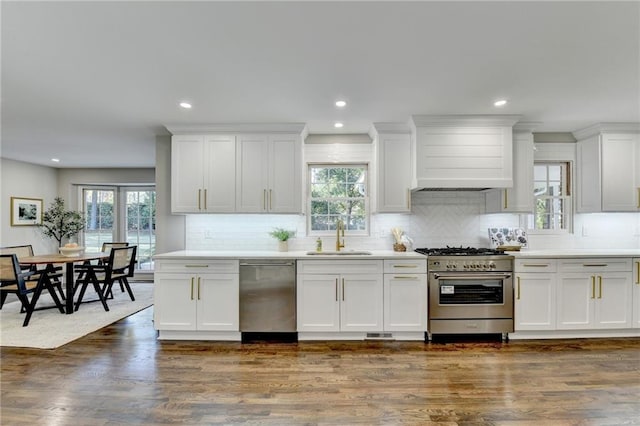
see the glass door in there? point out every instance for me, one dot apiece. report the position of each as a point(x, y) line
point(98, 205)
point(141, 224)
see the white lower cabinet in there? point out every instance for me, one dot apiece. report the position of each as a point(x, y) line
point(405, 296)
point(196, 296)
point(636, 293)
point(535, 295)
point(594, 294)
point(350, 299)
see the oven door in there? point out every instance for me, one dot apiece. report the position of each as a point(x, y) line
point(470, 295)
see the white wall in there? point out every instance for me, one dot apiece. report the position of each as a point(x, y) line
point(31, 181)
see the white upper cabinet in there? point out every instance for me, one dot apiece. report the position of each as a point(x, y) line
point(394, 168)
point(463, 151)
point(519, 198)
point(608, 169)
point(247, 168)
point(203, 173)
point(269, 174)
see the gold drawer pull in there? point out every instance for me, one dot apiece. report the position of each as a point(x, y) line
point(196, 266)
point(405, 277)
point(536, 265)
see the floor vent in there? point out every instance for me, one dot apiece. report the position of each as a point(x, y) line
point(379, 336)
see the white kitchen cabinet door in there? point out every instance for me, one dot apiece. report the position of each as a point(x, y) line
point(269, 175)
point(636, 293)
point(405, 302)
point(361, 307)
point(318, 306)
point(613, 303)
point(219, 156)
point(588, 172)
point(187, 173)
point(285, 174)
point(217, 297)
point(251, 169)
point(519, 198)
point(576, 293)
point(173, 299)
point(620, 172)
point(394, 173)
point(203, 174)
point(535, 301)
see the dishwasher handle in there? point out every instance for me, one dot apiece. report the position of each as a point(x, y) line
point(266, 264)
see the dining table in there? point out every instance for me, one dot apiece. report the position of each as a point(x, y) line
point(68, 261)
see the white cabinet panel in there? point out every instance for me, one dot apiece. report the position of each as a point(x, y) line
point(218, 302)
point(173, 307)
point(318, 307)
point(394, 173)
point(361, 306)
point(535, 301)
point(405, 302)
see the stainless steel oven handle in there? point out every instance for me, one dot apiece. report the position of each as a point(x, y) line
point(471, 277)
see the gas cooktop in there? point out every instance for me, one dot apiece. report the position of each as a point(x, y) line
point(459, 251)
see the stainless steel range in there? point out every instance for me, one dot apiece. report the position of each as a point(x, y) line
point(470, 291)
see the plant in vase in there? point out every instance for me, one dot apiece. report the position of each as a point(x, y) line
point(282, 235)
point(59, 223)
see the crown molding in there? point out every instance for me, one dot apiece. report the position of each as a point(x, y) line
point(606, 128)
point(464, 120)
point(191, 129)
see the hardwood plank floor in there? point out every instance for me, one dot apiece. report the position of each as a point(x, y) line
point(123, 375)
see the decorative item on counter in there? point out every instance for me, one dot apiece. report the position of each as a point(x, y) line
point(319, 245)
point(397, 235)
point(282, 235)
point(508, 239)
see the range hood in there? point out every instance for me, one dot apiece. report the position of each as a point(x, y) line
point(463, 152)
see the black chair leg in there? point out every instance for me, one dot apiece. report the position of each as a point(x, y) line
point(3, 298)
point(80, 295)
point(125, 282)
point(98, 290)
point(54, 296)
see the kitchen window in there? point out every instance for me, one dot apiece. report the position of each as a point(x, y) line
point(338, 192)
point(552, 197)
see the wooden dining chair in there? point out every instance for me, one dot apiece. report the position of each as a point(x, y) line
point(54, 272)
point(23, 284)
point(119, 267)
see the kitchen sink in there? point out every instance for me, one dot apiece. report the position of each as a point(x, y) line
point(339, 253)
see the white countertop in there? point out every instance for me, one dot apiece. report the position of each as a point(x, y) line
point(241, 254)
point(569, 253)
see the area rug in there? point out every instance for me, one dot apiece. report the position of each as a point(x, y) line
point(49, 329)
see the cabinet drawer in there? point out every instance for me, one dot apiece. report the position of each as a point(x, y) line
point(230, 266)
point(340, 267)
point(405, 266)
point(536, 265)
point(596, 265)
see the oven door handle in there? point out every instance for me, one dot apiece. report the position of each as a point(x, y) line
point(471, 277)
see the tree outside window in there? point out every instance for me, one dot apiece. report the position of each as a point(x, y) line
point(552, 201)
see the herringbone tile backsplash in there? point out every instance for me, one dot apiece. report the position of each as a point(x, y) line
point(437, 219)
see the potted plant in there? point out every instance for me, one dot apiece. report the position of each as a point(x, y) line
point(59, 223)
point(282, 235)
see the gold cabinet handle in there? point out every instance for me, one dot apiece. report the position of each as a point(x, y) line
point(599, 287)
point(343, 289)
point(639, 198)
point(506, 199)
point(518, 292)
point(404, 266)
point(264, 199)
point(205, 199)
point(336, 289)
point(409, 199)
point(270, 199)
point(199, 193)
point(191, 288)
point(637, 272)
point(198, 288)
point(536, 265)
point(599, 265)
point(593, 287)
point(405, 277)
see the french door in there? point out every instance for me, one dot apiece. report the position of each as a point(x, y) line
point(121, 213)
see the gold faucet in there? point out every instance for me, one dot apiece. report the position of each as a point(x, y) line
point(339, 227)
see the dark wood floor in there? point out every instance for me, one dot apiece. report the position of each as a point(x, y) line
point(123, 375)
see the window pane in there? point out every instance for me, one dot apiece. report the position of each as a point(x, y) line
point(98, 208)
point(551, 200)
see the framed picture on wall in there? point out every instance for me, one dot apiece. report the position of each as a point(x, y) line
point(26, 211)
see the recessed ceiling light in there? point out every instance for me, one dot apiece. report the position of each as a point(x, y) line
point(55, 160)
point(338, 125)
point(185, 105)
point(501, 102)
point(341, 104)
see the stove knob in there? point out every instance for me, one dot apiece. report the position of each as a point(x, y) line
point(454, 266)
point(492, 265)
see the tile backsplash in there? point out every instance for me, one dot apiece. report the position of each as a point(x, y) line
point(437, 219)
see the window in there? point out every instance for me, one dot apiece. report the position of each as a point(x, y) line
point(338, 192)
point(121, 213)
point(552, 200)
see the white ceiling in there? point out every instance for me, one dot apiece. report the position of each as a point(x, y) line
point(93, 83)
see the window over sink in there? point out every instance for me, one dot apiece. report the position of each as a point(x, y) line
point(552, 197)
point(338, 192)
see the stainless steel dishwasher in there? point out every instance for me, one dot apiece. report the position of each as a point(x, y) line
point(267, 296)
